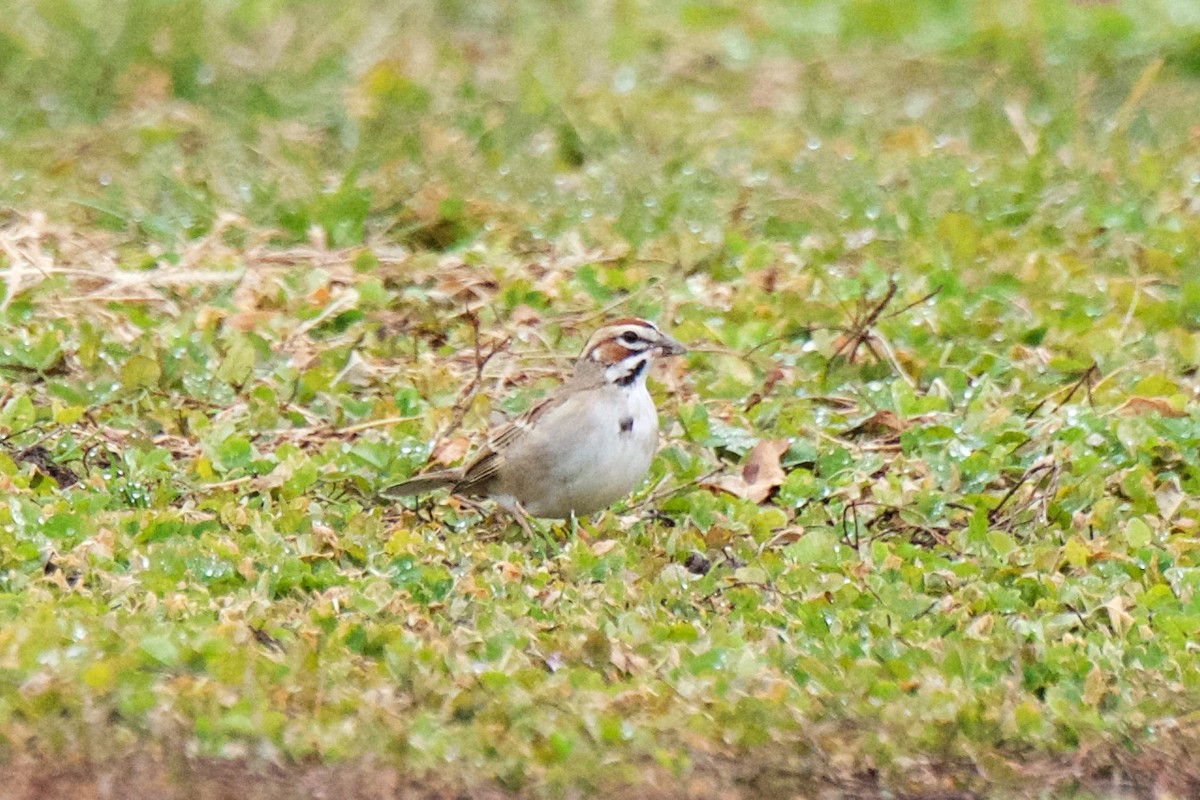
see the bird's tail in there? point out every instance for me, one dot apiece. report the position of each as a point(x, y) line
point(419, 484)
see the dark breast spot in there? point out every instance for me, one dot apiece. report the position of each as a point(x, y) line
point(626, 424)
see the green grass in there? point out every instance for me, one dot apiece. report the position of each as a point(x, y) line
point(253, 252)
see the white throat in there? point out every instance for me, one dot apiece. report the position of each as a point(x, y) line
point(630, 372)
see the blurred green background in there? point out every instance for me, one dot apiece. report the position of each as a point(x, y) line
point(426, 122)
point(982, 563)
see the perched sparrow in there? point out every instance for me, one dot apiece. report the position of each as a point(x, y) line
point(581, 448)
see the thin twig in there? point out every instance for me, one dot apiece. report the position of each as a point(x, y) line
point(1025, 477)
point(859, 332)
point(1070, 390)
point(459, 409)
point(913, 304)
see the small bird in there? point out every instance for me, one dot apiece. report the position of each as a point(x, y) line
point(578, 450)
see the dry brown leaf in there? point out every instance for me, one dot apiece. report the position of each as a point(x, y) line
point(1119, 617)
point(762, 466)
point(730, 484)
point(450, 451)
point(718, 536)
point(320, 295)
point(793, 533)
point(773, 378)
point(247, 321)
point(880, 424)
point(1169, 498)
point(326, 537)
point(603, 546)
point(523, 315)
point(463, 286)
point(508, 571)
point(761, 473)
point(627, 662)
point(1150, 405)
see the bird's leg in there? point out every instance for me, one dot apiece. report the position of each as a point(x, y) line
point(522, 519)
point(476, 506)
point(517, 512)
point(485, 513)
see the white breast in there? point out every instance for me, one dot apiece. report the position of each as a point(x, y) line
point(585, 454)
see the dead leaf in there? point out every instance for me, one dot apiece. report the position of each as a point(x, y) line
point(1095, 686)
point(761, 473)
point(508, 571)
point(790, 534)
point(248, 321)
point(1150, 405)
point(628, 662)
point(773, 378)
point(325, 534)
point(450, 451)
point(1118, 617)
point(880, 424)
point(320, 295)
point(462, 286)
point(762, 470)
point(1169, 497)
point(718, 536)
point(603, 547)
point(247, 569)
point(523, 315)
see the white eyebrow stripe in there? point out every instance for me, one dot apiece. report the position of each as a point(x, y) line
point(647, 336)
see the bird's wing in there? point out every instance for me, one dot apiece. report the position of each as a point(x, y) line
point(487, 462)
point(419, 484)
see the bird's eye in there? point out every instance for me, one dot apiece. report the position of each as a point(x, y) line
point(629, 337)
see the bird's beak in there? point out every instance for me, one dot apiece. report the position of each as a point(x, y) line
point(670, 347)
